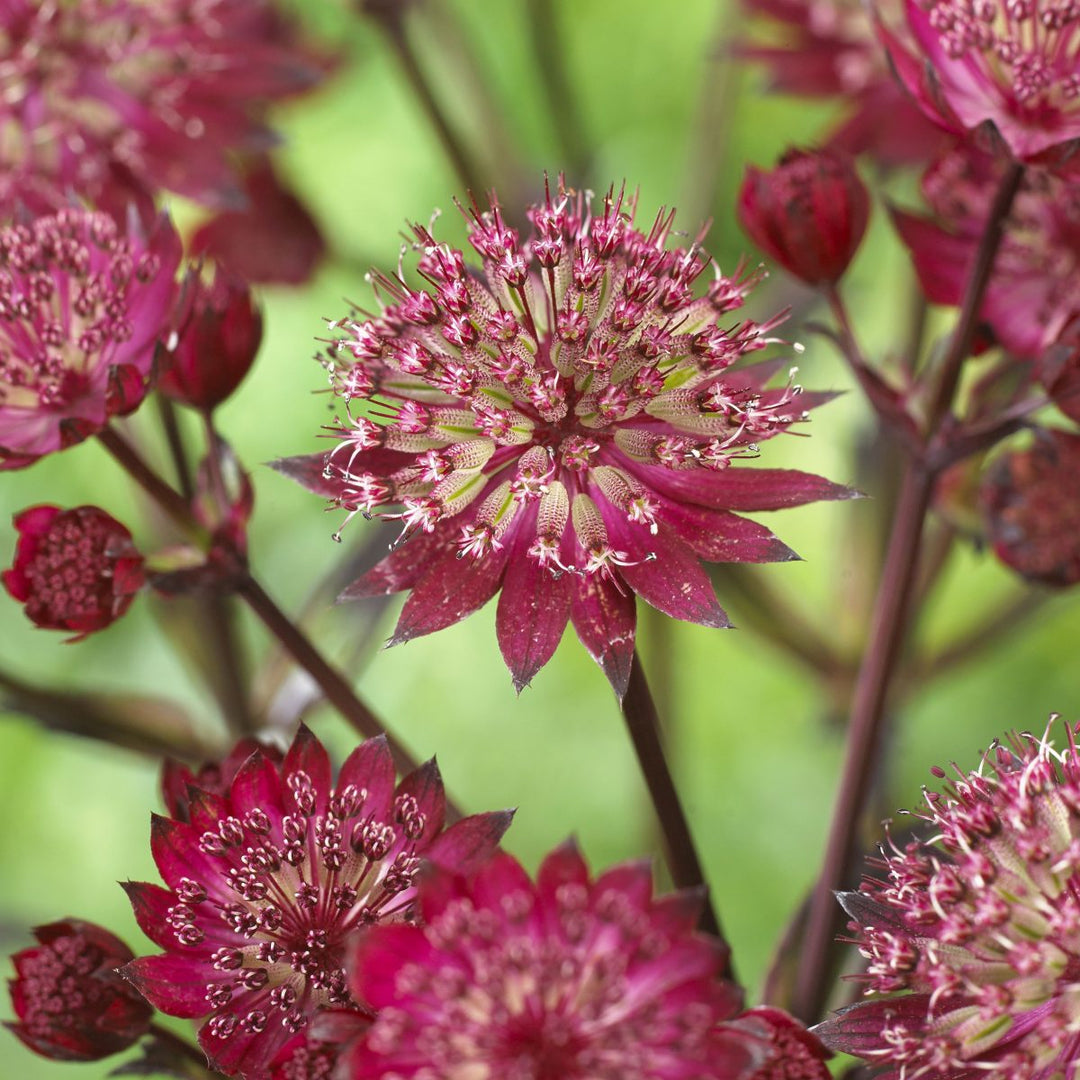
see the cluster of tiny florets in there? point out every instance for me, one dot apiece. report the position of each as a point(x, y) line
point(978, 930)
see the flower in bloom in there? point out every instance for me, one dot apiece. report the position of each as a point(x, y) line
point(809, 213)
point(75, 570)
point(267, 881)
point(972, 938)
point(564, 978)
point(272, 239)
point(565, 427)
point(828, 49)
point(220, 332)
point(81, 307)
point(1030, 501)
point(70, 1002)
point(102, 94)
point(1006, 72)
point(1034, 290)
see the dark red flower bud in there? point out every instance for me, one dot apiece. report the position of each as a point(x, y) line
point(271, 240)
point(220, 332)
point(809, 213)
point(74, 569)
point(216, 777)
point(70, 1002)
point(1031, 505)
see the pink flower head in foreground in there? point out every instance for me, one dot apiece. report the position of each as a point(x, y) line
point(828, 49)
point(70, 1002)
point(1031, 505)
point(81, 308)
point(974, 936)
point(75, 570)
point(809, 213)
point(562, 979)
point(1034, 290)
point(267, 881)
point(1007, 72)
point(565, 426)
point(144, 96)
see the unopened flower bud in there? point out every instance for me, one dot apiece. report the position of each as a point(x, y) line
point(74, 569)
point(218, 339)
point(70, 1002)
point(809, 213)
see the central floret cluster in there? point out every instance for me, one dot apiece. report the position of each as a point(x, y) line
point(562, 425)
point(980, 927)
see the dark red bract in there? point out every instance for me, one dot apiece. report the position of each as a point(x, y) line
point(268, 880)
point(219, 334)
point(809, 213)
point(70, 1002)
point(75, 570)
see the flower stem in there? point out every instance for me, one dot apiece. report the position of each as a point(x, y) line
point(643, 724)
point(888, 631)
point(162, 493)
point(452, 144)
point(333, 685)
point(561, 99)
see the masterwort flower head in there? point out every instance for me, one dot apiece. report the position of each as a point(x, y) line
point(1006, 73)
point(1034, 290)
point(70, 1003)
point(81, 307)
point(266, 882)
point(75, 570)
point(566, 425)
point(567, 978)
point(118, 99)
point(828, 49)
point(972, 938)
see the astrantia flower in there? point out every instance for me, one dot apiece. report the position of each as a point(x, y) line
point(566, 978)
point(81, 308)
point(267, 882)
point(70, 1002)
point(1034, 290)
point(215, 777)
point(75, 570)
point(100, 93)
point(828, 49)
point(974, 936)
point(1030, 501)
point(1007, 71)
point(809, 213)
point(565, 426)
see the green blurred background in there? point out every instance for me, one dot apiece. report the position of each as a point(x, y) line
point(756, 743)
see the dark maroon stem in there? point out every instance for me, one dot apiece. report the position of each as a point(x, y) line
point(166, 496)
point(888, 632)
point(455, 150)
point(643, 724)
point(175, 439)
point(333, 685)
